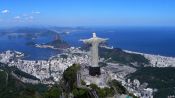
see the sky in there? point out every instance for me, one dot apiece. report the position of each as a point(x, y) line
point(87, 12)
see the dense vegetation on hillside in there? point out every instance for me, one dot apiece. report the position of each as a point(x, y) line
point(119, 56)
point(23, 74)
point(10, 87)
point(70, 75)
point(70, 78)
point(118, 87)
point(162, 79)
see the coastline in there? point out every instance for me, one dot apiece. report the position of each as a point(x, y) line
point(47, 46)
point(156, 60)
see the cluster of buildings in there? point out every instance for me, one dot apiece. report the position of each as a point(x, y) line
point(134, 86)
point(48, 71)
point(160, 61)
point(7, 56)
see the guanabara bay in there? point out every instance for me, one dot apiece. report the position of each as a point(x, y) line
point(87, 49)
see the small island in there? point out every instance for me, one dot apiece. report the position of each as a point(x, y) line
point(55, 44)
point(58, 44)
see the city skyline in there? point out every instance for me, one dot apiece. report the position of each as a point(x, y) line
point(87, 13)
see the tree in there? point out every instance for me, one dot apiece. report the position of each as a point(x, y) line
point(70, 75)
point(80, 93)
point(54, 92)
point(117, 85)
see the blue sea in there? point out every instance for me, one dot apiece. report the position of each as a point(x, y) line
point(152, 40)
point(16, 43)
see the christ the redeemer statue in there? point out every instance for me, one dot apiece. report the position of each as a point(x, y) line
point(94, 68)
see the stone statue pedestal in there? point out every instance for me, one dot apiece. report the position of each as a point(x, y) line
point(94, 71)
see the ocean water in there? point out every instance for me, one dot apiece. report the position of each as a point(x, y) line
point(16, 43)
point(151, 40)
point(155, 40)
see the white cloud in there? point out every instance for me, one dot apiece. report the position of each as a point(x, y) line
point(36, 12)
point(17, 17)
point(5, 11)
